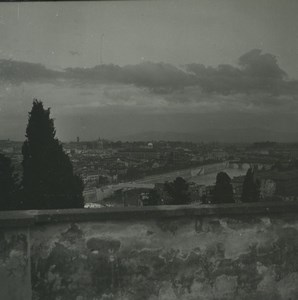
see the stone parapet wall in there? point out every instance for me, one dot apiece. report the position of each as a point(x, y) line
point(247, 251)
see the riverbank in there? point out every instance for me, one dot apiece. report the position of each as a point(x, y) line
point(203, 175)
point(187, 173)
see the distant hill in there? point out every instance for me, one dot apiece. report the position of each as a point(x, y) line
point(246, 135)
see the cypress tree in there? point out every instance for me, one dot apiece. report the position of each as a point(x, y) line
point(223, 191)
point(48, 178)
point(251, 188)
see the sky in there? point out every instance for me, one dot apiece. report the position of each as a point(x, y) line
point(205, 70)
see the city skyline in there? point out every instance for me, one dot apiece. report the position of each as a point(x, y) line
point(216, 70)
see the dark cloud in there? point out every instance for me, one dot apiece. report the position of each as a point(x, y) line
point(158, 77)
point(256, 73)
point(254, 63)
point(17, 72)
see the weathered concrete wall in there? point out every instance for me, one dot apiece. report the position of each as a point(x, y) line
point(219, 253)
point(207, 258)
point(15, 279)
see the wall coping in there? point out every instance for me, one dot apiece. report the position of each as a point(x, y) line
point(27, 218)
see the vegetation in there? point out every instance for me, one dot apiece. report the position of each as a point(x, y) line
point(178, 191)
point(9, 189)
point(223, 191)
point(251, 188)
point(153, 198)
point(48, 178)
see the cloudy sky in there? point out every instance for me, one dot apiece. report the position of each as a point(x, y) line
point(206, 69)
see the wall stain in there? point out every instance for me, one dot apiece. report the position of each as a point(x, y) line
point(210, 258)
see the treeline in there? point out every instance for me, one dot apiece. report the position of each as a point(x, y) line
point(178, 192)
point(48, 180)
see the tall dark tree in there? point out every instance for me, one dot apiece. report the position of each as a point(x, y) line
point(251, 187)
point(9, 189)
point(153, 198)
point(48, 178)
point(178, 191)
point(223, 191)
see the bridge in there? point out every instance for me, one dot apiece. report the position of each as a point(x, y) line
point(246, 164)
point(185, 173)
point(148, 182)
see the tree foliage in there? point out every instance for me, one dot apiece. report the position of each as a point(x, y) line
point(178, 191)
point(251, 187)
point(153, 198)
point(9, 189)
point(223, 191)
point(48, 178)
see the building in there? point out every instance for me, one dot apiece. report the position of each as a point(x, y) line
point(100, 144)
point(237, 184)
point(197, 192)
point(164, 196)
point(217, 154)
point(278, 183)
point(145, 153)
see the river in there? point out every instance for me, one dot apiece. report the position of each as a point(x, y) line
point(210, 179)
point(208, 176)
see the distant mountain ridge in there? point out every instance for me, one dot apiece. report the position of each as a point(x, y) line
point(236, 135)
